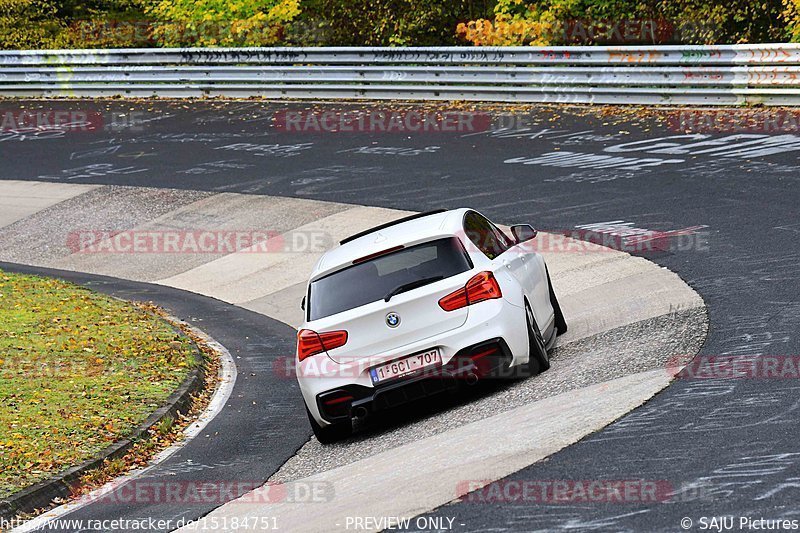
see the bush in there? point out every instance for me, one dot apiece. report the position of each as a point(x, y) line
point(226, 23)
point(105, 32)
point(731, 22)
point(556, 22)
point(136, 23)
point(385, 22)
point(28, 24)
point(38, 24)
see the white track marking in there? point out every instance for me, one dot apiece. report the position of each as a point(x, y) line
point(426, 474)
point(20, 199)
point(246, 276)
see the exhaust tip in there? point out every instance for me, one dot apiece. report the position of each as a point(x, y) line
point(360, 412)
point(472, 378)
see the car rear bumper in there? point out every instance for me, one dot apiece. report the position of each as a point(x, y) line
point(487, 321)
point(486, 360)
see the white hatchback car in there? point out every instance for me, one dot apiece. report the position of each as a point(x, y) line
point(411, 308)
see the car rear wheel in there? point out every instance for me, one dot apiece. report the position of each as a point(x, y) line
point(560, 322)
point(539, 361)
point(332, 433)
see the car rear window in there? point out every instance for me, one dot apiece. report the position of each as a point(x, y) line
point(372, 280)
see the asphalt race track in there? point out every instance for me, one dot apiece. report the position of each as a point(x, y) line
point(723, 446)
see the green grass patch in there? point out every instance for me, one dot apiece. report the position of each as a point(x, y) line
point(78, 371)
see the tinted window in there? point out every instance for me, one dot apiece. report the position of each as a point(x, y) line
point(373, 280)
point(484, 235)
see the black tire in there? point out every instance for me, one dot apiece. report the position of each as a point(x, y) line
point(539, 361)
point(560, 322)
point(332, 433)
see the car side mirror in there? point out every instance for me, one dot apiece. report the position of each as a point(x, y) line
point(523, 232)
point(303, 304)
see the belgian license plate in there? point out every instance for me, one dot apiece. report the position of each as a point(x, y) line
point(406, 366)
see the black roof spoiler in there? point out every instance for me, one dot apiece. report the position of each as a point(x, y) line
point(390, 224)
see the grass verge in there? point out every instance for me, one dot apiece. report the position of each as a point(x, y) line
point(78, 372)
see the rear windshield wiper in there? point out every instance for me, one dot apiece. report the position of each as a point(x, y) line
point(412, 285)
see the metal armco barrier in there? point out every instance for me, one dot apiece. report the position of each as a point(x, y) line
point(767, 74)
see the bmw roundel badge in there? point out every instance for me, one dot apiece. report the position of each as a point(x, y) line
point(392, 320)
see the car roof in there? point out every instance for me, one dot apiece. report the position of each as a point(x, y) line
point(404, 233)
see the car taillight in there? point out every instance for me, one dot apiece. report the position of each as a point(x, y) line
point(311, 343)
point(480, 288)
